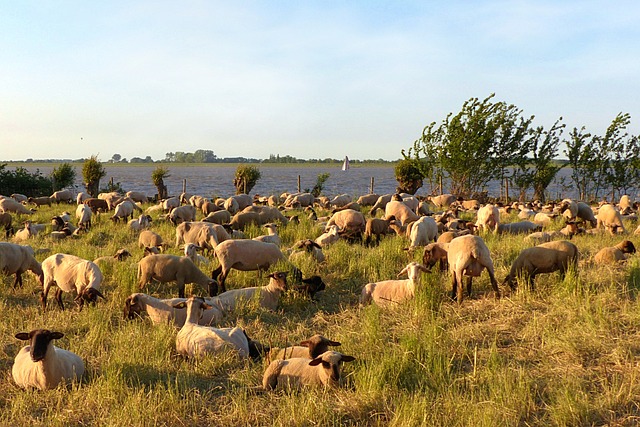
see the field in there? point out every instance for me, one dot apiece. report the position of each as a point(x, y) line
point(564, 354)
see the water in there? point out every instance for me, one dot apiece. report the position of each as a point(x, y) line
point(217, 179)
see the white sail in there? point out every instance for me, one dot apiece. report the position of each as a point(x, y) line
point(345, 164)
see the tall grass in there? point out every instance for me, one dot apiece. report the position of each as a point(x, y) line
point(565, 353)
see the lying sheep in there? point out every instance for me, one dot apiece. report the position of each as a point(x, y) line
point(329, 237)
point(544, 218)
point(468, 256)
point(269, 295)
point(609, 218)
point(161, 311)
point(21, 198)
point(244, 255)
point(520, 227)
point(143, 222)
point(368, 199)
point(393, 291)
point(191, 252)
point(544, 258)
point(611, 255)
point(308, 246)
point(291, 374)
point(272, 237)
point(218, 217)
point(28, 231)
point(172, 268)
point(442, 201)
point(568, 209)
point(41, 364)
point(71, 273)
point(310, 286)
point(120, 255)
point(310, 349)
point(16, 259)
point(196, 341)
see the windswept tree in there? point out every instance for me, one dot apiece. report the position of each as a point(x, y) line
point(246, 178)
point(92, 172)
point(409, 174)
point(157, 177)
point(622, 173)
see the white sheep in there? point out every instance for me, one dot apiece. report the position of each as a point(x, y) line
point(10, 205)
point(170, 203)
point(272, 237)
point(191, 251)
point(141, 223)
point(610, 219)
point(19, 197)
point(348, 220)
point(393, 291)
point(202, 234)
point(269, 295)
point(324, 370)
point(81, 197)
point(161, 311)
point(16, 259)
point(182, 214)
point(400, 211)
point(120, 255)
point(329, 237)
point(422, 231)
point(62, 196)
point(443, 200)
point(71, 273)
point(172, 268)
point(28, 231)
point(124, 210)
point(148, 238)
point(310, 349)
point(41, 364)
point(137, 196)
point(83, 214)
point(488, 218)
point(468, 256)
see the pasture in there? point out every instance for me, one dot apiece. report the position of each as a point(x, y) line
point(567, 353)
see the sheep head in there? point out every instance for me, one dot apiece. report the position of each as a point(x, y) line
point(40, 339)
point(332, 361)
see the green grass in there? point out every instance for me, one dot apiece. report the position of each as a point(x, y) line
point(564, 354)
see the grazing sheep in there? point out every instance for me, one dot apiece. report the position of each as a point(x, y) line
point(207, 207)
point(310, 349)
point(161, 311)
point(329, 237)
point(539, 237)
point(258, 215)
point(143, 222)
point(376, 227)
point(170, 203)
point(347, 220)
point(308, 246)
point(83, 214)
point(368, 199)
point(340, 200)
point(16, 259)
point(172, 268)
point(393, 291)
point(272, 237)
point(70, 273)
point(442, 201)
point(231, 205)
point(97, 205)
point(81, 197)
point(21, 198)
point(202, 234)
point(610, 219)
point(488, 218)
point(520, 227)
point(544, 218)
point(448, 236)
point(62, 196)
point(10, 205)
point(124, 210)
point(611, 255)
point(39, 201)
point(148, 238)
point(400, 211)
point(324, 370)
point(112, 199)
point(585, 213)
point(301, 200)
point(41, 364)
point(269, 295)
point(381, 203)
point(194, 340)
point(182, 214)
point(422, 231)
point(468, 256)
point(544, 258)
point(137, 196)
point(244, 255)
point(436, 253)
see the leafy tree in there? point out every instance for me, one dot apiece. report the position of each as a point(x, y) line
point(63, 176)
point(580, 154)
point(24, 182)
point(409, 174)
point(622, 173)
point(157, 176)
point(92, 172)
point(116, 158)
point(320, 180)
point(246, 178)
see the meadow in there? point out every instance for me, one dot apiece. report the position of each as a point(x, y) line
point(564, 354)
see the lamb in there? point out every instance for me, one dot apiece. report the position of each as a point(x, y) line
point(10, 205)
point(393, 291)
point(16, 259)
point(376, 227)
point(196, 341)
point(182, 214)
point(148, 238)
point(422, 231)
point(269, 295)
point(272, 237)
point(468, 256)
point(544, 258)
point(143, 222)
point(611, 255)
point(244, 255)
point(120, 255)
point(97, 205)
point(400, 212)
point(310, 349)
point(308, 246)
point(83, 214)
point(41, 364)
point(70, 273)
point(520, 227)
point(311, 286)
point(161, 311)
point(610, 219)
point(172, 268)
point(329, 237)
point(124, 210)
point(324, 370)
point(29, 230)
point(191, 251)
point(488, 218)
point(39, 201)
point(436, 253)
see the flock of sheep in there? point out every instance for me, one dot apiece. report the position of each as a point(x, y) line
point(434, 224)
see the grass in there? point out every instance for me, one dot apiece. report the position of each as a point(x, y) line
point(564, 354)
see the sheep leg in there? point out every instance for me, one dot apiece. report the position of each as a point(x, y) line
point(453, 286)
point(59, 298)
point(180, 289)
point(459, 288)
point(18, 280)
point(469, 279)
point(494, 283)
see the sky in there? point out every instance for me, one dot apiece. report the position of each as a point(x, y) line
point(309, 79)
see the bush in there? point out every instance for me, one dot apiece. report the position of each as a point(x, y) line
point(157, 176)
point(24, 182)
point(246, 178)
point(92, 173)
point(63, 176)
point(409, 175)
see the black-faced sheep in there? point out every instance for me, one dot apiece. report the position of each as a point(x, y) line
point(376, 227)
point(268, 295)
point(310, 349)
point(71, 273)
point(161, 311)
point(611, 255)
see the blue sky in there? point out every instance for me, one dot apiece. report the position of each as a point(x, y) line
point(311, 79)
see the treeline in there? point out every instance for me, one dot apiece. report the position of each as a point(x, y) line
point(490, 140)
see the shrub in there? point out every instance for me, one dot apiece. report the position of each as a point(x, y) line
point(63, 176)
point(409, 176)
point(246, 178)
point(157, 176)
point(24, 182)
point(92, 173)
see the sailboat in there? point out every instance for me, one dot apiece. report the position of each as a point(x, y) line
point(345, 164)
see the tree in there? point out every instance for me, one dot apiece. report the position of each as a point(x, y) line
point(409, 175)
point(622, 173)
point(92, 172)
point(246, 178)
point(157, 176)
point(580, 155)
point(116, 158)
point(63, 176)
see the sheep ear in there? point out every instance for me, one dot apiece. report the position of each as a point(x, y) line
point(180, 305)
point(333, 343)
point(346, 358)
point(305, 343)
point(24, 336)
point(404, 270)
point(315, 362)
point(56, 335)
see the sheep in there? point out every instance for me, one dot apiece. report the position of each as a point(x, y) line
point(381, 203)
point(29, 230)
point(443, 200)
point(21, 198)
point(231, 205)
point(83, 214)
point(5, 222)
point(137, 196)
point(311, 286)
point(120, 255)
point(70, 273)
point(568, 208)
point(258, 215)
point(191, 251)
point(62, 196)
point(585, 213)
point(376, 227)
point(436, 253)
point(39, 201)
point(207, 207)
point(400, 212)
point(329, 237)
point(347, 220)
point(299, 200)
point(309, 247)
point(396, 291)
point(202, 234)
point(170, 203)
point(244, 255)
point(611, 255)
point(97, 205)
point(310, 349)
point(197, 201)
point(196, 341)
point(161, 311)
point(488, 218)
point(422, 231)
point(16, 259)
point(123, 210)
point(169, 268)
point(10, 205)
point(610, 219)
point(57, 223)
point(272, 237)
point(544, 218)
point(324, 370)
point(143, 222)
point(448, 236)
point(520, 227)
point(182, 214)
point(340, 200)
point(544, 258)
point(41, 364)
point(468, 256)
point(368, 199)
point(218, 217)
point(81, 197)
point(268, 295)
point(148, 238)
point(624, 204)
point(468, 205)
point(243, 200)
